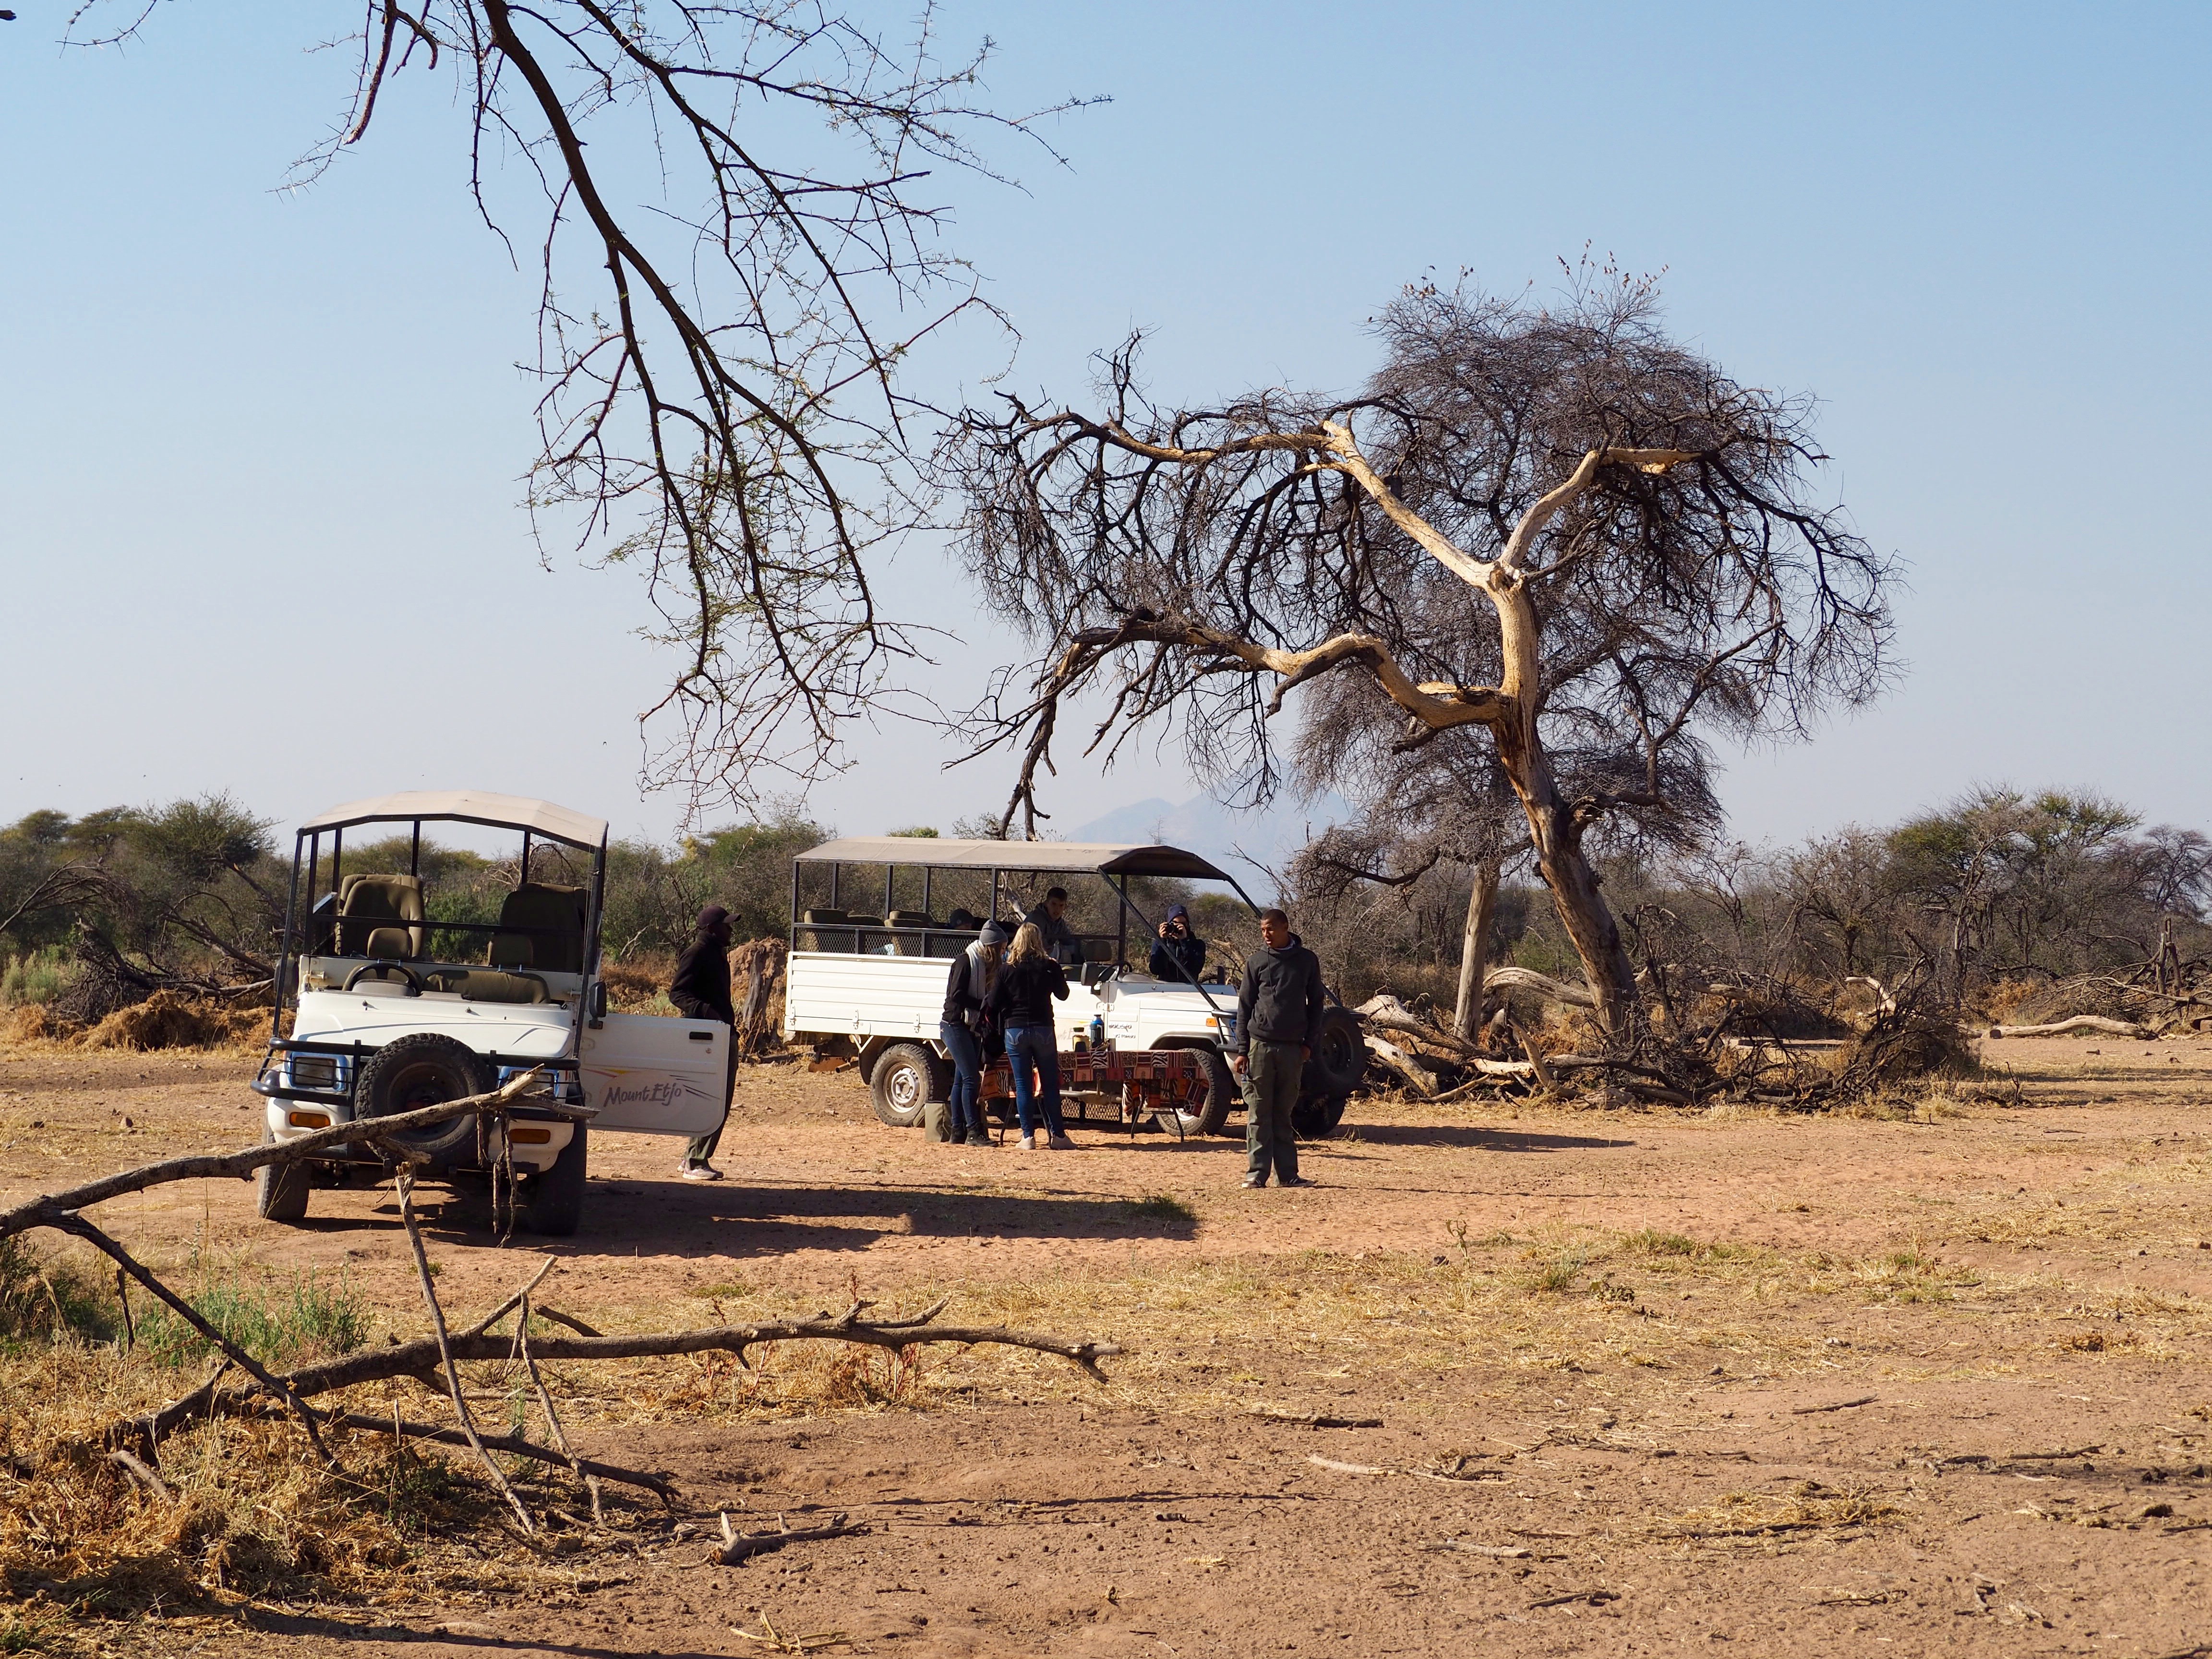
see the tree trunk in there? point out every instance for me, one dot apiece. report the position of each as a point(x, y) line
point(1558, 838)
point(1475, 948)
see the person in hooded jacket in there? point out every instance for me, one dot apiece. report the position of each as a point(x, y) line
point(1177, 956)
point(1278, 1010)
point(965, 1024)
point(701, 990)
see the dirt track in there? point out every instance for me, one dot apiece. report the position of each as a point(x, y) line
point(1783, 1382)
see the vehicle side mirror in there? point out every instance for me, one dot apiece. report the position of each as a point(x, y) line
point(596, 1003)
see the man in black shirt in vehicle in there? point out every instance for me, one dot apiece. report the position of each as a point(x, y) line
point(701, 990)
point(1278, 1010)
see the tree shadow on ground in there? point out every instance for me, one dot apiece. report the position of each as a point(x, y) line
point(1483, 1139)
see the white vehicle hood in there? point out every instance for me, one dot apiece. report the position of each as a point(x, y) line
point(537, 1031)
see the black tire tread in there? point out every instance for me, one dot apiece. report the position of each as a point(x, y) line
point(892, 1058)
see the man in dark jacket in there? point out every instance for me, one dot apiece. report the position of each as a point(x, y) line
point(701, 990)
point(1178, 955)
point(1279, 1009)
point(1050, 918)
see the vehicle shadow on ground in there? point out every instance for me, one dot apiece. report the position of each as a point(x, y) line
point(731, 1220)
point(1482, 1139)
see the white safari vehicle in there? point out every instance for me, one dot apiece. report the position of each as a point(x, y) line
point(873, 984)
point(400, 999)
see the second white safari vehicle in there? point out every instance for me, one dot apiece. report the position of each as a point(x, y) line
point(873, 985)
point(401, 996)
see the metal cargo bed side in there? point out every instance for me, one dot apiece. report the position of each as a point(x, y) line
point(864, 996)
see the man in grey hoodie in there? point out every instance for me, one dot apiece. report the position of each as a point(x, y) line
point(1279, 1009)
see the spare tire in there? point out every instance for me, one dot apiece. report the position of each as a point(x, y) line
point(423, 1068)
point(1316, 1116)
point(1339, 1054)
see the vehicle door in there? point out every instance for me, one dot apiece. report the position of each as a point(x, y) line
point(652, 1076)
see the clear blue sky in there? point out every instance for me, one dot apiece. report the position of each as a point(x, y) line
point(259, 453)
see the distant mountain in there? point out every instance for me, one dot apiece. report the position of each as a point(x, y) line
point(1203, 824)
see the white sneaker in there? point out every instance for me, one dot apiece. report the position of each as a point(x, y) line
point(1061, 1144)
point(1028, 1143)
point(697, 1172)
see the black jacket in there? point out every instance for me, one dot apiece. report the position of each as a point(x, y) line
point(1281, 998)
point(701, 988)
point(961, 1003)
point(1178, 960)
point(1025, 990)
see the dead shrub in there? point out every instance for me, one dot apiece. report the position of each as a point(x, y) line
point(636, 983)
point(37, 1024)
point(169, 1020)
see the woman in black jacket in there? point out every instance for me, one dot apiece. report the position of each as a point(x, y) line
point(1021, 1003)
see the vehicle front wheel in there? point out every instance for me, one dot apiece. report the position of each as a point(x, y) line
point(280, 1190)
point(553, 1202)
point(907, 1078)
point(1223, 1095)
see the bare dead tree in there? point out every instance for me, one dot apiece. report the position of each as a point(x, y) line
point(721, 367)
point(1550, 526)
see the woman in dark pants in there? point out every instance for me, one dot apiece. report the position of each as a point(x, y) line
point(1022, 1002)
point(701, 990)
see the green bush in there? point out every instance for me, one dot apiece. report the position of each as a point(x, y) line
point(37, 977)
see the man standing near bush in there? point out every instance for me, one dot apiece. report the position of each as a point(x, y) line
point(1278, 1010)
point(701, 990)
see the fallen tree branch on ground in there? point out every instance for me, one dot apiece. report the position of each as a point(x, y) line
point(2119, 1028)
point(738, 1546)
point(377, 1132)
point(422, 1356)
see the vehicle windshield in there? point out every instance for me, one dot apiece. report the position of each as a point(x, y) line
point(383, 908)
point(1110, 922)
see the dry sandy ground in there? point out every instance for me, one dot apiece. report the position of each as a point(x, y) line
point(1798, 1384)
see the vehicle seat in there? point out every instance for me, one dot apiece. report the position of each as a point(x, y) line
point(367, 902)
point(824, 934)
point(550, 924)
point(388, 943)
point(490, 985)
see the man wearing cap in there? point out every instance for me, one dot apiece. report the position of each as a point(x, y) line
point(1178, 955)
point(964, 1026)
point(701, 990)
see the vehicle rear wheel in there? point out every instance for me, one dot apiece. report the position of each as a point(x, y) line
point(907, 1078)
point(1222, 1097)
point(423, 1068)
point(280, 1190)
point(553, 1202)
point(1339, 1060)
point(1316, 1116)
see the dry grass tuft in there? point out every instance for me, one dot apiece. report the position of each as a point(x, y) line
point(1810, 1507)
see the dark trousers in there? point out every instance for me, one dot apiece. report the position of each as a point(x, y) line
point(1028, 1046)
point(702, 1147)
point(1273, 1071)
point(965, 1110)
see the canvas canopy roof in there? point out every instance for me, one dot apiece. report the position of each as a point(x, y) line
point(540, 817)
point(1072, 857)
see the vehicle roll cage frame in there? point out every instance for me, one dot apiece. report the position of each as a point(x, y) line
point(306, 859)
point(1116, 881)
